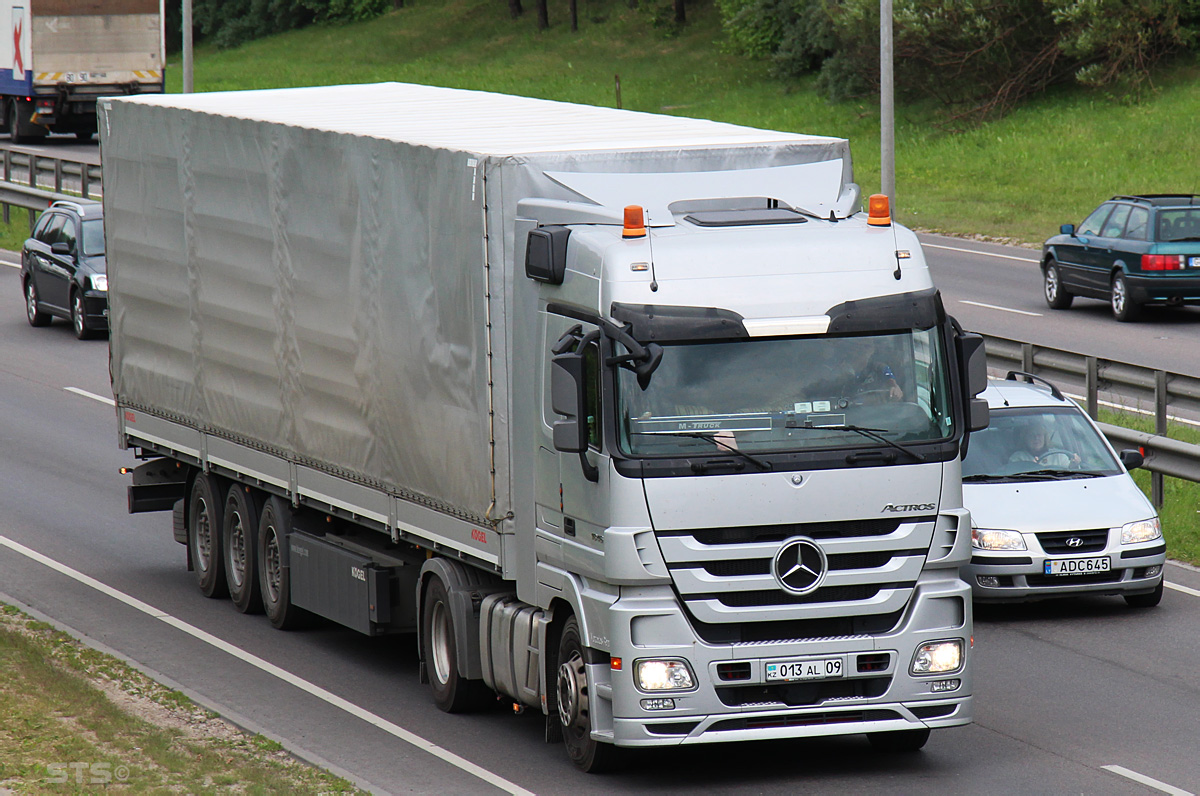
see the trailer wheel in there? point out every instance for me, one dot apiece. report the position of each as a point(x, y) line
point(204, 535)
point(574, 697)
point(273, 578)
point(452, 692)
point(898, 741)
point(239, 535)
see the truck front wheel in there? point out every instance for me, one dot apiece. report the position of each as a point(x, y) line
point(898, 741)
point(204, 535)
point(452, 692)
point(574, 701)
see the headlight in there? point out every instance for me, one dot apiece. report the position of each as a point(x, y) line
point(99, 282)
point(996, 540)
point(938, 657)
point(664, 676)
point(1141, 531)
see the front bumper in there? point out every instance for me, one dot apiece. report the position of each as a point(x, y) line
point(732, 701)
point(1021, 576)
point(95, 309)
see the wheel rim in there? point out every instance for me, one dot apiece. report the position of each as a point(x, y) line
point(272, 565)
point(572, 696)
point(1118, 296)
point(203, 536)
point(439, 642)
point(77, 313)
point(1052, 283)
point(237, 550)
point(31, 301)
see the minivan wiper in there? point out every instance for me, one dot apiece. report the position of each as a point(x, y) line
point(761, 464)
point(1062, 474)
point(872, 434)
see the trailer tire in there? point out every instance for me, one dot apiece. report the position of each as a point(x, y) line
point(452, 692)
point(273, 572)
point(573, 699)
point(239, 536)
point(204, 523)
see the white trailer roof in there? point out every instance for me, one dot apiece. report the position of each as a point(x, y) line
point(470, 121)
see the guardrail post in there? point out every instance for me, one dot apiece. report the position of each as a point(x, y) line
point(1027, 357)
point(1093, 386)
point(58, 174)
point(1160, 428)
point(32, 160)
point(7, 178)
point(85, 179)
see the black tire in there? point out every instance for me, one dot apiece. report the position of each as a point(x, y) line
point(14, 124)
point(1124, 309)
point(1057, 297)
point(899, 741)
point(239, 537)
point(84, 135)
point(34, 315)
point(204, 521)
point(271, 551)
point(1145, 600)
point(452, 692)
point(573, 700)
point(79, 320)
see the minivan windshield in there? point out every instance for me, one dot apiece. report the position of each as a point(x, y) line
point(1037, 443)
point(788, 394)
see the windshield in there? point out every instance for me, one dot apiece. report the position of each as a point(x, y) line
point(93, 237)
point(788, 394)
point(1037, 442)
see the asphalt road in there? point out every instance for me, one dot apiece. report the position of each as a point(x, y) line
point(1086, 696)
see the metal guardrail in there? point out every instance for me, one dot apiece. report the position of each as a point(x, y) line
point(1160, 393)
point(31, 182)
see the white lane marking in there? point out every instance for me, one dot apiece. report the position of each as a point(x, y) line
point(92, 395)
point(1184, 589)
point(273, 670)
point(1080, 399)
point(983, 254)
point(1002, 309)
point(1148, 781)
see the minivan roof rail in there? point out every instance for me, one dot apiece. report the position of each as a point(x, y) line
point(1029, 378)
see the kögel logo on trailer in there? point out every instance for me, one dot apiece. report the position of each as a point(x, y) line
point(800, 565)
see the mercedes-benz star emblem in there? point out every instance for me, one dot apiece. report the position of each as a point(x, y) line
point(1074, 541)
point(800, 565)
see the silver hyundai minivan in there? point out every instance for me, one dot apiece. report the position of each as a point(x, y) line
point(1054, 511)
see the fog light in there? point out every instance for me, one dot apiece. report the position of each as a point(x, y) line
point(661, 703)
point(938, 686)
point(990, 581)
point(664, 676)
point(1152, 572)
point(937, 657)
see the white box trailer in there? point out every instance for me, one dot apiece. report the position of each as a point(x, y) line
point(61, 55)
point(375, 344)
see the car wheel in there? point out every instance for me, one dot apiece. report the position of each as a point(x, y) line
point(1056, 296)
point(1145, 600)
point(204, 535)
point(239, 537)
point(36, 316)
point(452, 692)
point(573, 697)
point(79, 320)
point(1124, 308)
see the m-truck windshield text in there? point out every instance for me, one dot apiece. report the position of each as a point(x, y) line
point(638, 422)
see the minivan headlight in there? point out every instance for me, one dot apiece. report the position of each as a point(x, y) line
point(1141, 531)
point(982, 539)
point(99, 282)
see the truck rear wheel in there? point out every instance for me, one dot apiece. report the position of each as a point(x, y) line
point(574, 697)
point(452, 692)
point(273, 579)
point(204, 523)
point(239, 536)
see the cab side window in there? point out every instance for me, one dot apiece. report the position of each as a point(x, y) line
point(591, 375)
point(1092, 224)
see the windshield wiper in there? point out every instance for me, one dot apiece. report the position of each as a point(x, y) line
point(761, 464)
point(872, 434)
point(1061, 474)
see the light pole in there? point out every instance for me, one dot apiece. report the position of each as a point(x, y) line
point(887, 110)
point(187, 46)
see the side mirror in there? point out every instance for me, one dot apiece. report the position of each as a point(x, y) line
point(61, 248)
point(973, 364)
point(567, 399)
point(546, 254)
point(1132, 459)
point(1067, 229)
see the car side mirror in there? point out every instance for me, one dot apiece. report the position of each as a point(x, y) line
point(61, 248)
point(1067, 229)
point(1132, 459)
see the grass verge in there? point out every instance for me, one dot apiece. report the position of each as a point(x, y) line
point(76, 720)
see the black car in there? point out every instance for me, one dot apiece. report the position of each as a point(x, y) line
point(1131, 251)
point(63, 268)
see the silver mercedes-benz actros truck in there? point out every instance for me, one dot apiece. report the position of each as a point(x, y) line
point(638, 421)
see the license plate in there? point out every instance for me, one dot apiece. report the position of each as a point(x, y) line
point(1194, 262)
point(1078, 566)
point(820, 669)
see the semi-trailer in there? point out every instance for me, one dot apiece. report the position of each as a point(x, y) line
point(637, 421)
